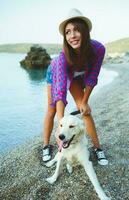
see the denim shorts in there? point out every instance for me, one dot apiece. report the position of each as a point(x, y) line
point(49, 75)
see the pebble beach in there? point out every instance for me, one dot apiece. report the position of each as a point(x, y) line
point(22, 172)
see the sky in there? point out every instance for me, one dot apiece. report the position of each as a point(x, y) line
point(37, 21)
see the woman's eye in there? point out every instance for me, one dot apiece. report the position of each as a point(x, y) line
point(67, 32)
point(71, 126)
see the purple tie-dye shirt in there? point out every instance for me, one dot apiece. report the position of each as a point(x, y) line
point(60, 77)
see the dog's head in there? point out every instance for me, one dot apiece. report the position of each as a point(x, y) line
point(70, 129)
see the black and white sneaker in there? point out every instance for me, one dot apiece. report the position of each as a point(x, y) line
point(46, 153)
point(102, 160)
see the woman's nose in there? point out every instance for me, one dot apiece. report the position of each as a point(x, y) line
point(72, 34)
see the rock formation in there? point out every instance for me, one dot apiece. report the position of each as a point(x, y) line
point(37, 58)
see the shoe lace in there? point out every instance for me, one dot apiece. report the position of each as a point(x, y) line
point(46, 151)
point(100, 154)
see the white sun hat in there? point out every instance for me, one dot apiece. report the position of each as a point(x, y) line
point(73, 14)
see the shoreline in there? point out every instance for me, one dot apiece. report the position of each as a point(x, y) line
point(22, 171)
point(9, 138)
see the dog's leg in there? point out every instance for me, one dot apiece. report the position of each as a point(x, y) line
point(53, 161)
point(69, 168)
point(54, 177)
point(92, 175)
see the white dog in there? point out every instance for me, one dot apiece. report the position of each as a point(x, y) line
point(74, 147)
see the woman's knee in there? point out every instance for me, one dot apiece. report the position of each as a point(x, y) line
point(51, 112)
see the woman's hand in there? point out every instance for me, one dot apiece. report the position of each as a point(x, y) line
point(85, 109)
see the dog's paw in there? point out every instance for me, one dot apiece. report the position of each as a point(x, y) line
point(69, 168)
point(50, 180)
point(49, 163)
point(102, 195)
point(105, 198)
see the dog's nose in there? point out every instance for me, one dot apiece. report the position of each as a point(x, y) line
point(61, 137)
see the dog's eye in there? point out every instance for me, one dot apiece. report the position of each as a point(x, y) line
point(60, 125)
point(71, 126)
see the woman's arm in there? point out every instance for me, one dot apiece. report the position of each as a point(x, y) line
point(87, 93)
point(85, 108)
point(60, 107)
point(92, 78)
point(59, 79)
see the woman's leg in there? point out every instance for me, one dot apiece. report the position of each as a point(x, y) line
point(49, 118)
point(77, 92)
point(60, 107)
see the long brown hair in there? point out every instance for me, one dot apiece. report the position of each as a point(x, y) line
point(87, 53)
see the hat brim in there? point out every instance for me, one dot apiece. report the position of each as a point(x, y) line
point(63, 24)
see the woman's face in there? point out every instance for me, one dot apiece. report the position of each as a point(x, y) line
point(73, 36)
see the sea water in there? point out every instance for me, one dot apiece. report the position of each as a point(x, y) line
point(23, 100)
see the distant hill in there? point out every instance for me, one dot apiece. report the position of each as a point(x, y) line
point(118, 46)
point(25, 47)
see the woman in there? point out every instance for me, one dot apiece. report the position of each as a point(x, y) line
point(76, 68)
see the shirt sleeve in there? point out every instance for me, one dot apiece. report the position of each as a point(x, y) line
point(92, 77)
point(59, 80)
